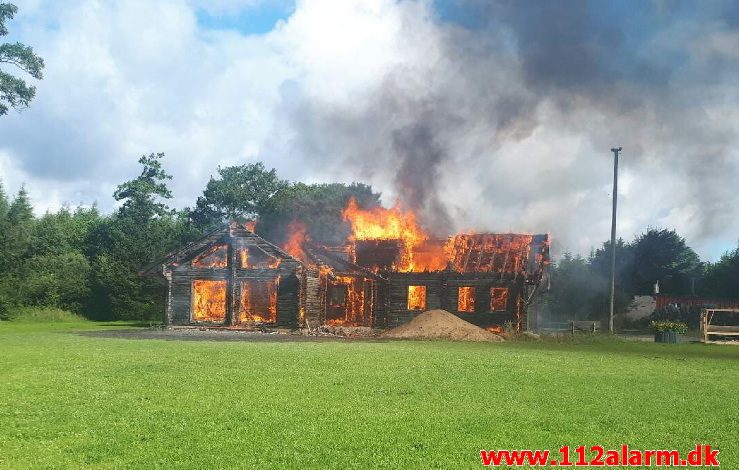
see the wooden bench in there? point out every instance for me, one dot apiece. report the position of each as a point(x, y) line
point(588, 326)
point(707, 328)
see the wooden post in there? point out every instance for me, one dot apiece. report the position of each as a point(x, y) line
point(168, 299)
point(232, 312)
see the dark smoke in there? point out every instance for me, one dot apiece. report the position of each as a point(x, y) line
point(635, 73)
point(419, 168)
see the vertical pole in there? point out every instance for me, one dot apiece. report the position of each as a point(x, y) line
point(613, 238)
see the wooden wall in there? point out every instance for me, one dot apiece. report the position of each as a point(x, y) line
point(397, 311)
point(442, 292)
point(181, 274)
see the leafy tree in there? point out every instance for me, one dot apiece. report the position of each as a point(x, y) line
point(579, 289)
point(240, 192)
point(62, 231)
point(600, 263)
point(14, 92)
point(318, 206)
point(15, 236)
point(57, 273)
point(57, 280)
point(4, 204)
point(16, 232)
point(142, 231)
point(722, 278)
point(20, 211)
point(4, 278)
point(141, 194)
point(571, 294)
point(664, 256)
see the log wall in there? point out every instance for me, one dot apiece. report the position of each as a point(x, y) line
point(313, 300)
point(397, 295)
point(442, 291)
point(181, 275)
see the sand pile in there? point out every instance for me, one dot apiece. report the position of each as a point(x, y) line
point(440, 324)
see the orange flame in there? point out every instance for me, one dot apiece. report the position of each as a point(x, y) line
point(348, 311)
point(258, 301)
point(466, 299)
point(251, 257)
point(214, 257)
point(489, 252)
point(209, 300)
point(294, 244)
point(416, 297)
point(386, 224)
point(498, 298)
point(417, 252)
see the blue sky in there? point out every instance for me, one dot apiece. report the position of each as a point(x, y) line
point(258, 19)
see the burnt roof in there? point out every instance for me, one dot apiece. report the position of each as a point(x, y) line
point(321, 256)
point(467, 253)
point(228, 231)
point(500, 252)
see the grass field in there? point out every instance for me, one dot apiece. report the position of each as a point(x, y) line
point(71, 401)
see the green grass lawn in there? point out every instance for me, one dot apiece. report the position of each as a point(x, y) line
point(70, 401)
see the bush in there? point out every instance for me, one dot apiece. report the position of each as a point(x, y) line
point(4, 308)
point(622, 322)
point(666, 325)
point(57, 281)
point(683, 313)
point(41, 315)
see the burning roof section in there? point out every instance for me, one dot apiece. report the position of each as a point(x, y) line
point(210, 251)
point(465, 253)
point(392, 240)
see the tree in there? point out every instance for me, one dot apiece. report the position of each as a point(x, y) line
point(580, 290)
point(14, 92)
point(142, 231)
point(4, 287)
point(664, 256)
point(240, 192)
point(140, 195)
point(722, 278)
point(572, 288)
point(15, 237)
point(57, 280)
point(4, 204)
point(318, 206)
point(600, 263)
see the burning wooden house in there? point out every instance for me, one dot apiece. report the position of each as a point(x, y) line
point(487, 279)
point(388, 271)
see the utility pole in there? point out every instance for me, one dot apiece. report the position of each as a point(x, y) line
point(613, 237)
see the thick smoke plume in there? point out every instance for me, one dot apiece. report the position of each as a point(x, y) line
point(500, 115)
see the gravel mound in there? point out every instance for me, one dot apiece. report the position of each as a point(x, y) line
point(440, 324)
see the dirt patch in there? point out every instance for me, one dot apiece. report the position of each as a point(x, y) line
point(440, 324)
